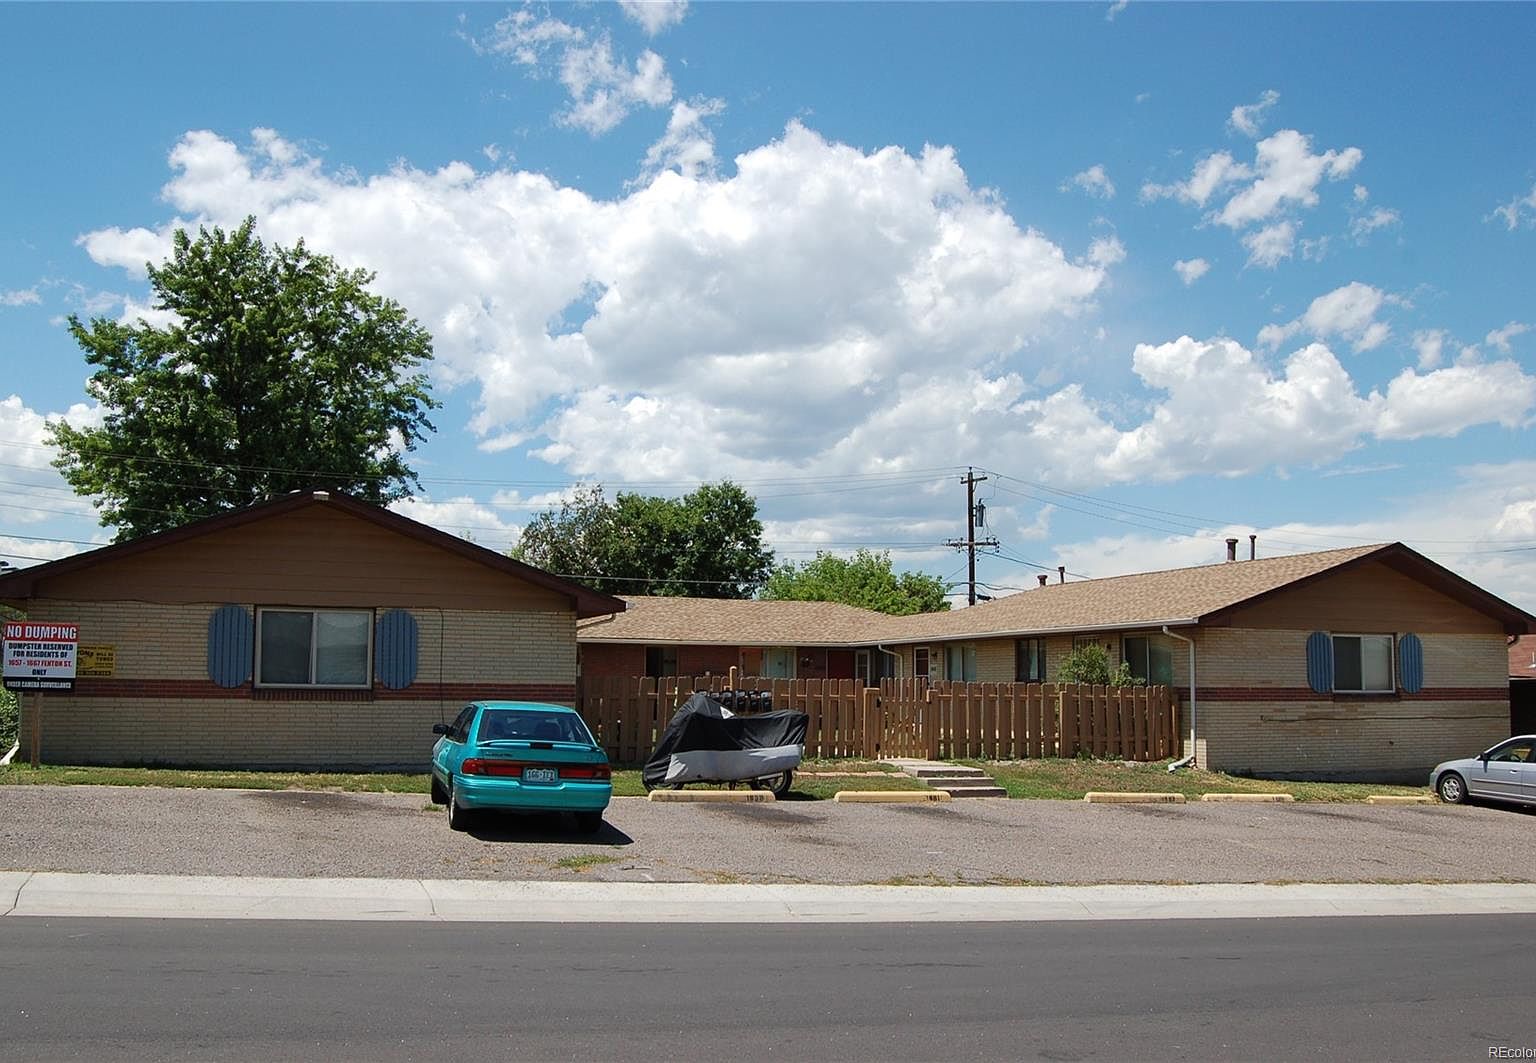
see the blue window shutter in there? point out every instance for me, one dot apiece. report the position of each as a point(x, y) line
point(1320, 662)
point(1410, 663)
point(231, 641)
point(394, 649)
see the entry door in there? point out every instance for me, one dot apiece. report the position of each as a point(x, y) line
point(779, 662)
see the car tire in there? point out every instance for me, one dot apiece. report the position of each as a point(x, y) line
point(589, 822)
point(1452, 789)
point(439, 795)
point(778, 784)
point(458, 815)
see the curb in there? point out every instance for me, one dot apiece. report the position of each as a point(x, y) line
point(1115, 797)
point(1258, 799)
point(712, 796)
point(889, 797)
point(1399, 799)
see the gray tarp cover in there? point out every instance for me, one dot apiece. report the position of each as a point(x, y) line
point(705, 740)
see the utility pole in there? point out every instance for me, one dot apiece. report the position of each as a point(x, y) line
point(973, 518)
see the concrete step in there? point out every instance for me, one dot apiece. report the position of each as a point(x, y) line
point(970, 790)
point(946, 771)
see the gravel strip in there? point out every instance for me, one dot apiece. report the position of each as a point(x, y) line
point(304, 834)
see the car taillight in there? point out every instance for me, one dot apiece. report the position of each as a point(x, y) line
point(586, 771)
point(481, 766)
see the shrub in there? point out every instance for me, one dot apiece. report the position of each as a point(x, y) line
point(1090, 664)
point(10, 720)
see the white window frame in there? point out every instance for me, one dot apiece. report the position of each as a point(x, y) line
point(314, 630)
point(926, 668)
point(1391, 641)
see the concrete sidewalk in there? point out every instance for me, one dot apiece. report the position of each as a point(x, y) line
point(200, 897)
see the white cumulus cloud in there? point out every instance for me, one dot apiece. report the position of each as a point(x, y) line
point(1094, 181)
point(1348, 312)
point(604, 87)
point(1247, 118)
point(1499, 338)
point(1191, 270)
point(20, 297)
point(653, 16)
point(1271, 245)
point(1520, 211)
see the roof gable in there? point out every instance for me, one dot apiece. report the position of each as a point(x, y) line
point(327, 518)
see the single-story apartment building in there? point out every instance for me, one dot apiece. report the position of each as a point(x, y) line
point(1371, 661)
point(312, 631)
point(661, 636)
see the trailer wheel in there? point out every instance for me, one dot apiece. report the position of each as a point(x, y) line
point(778, 784)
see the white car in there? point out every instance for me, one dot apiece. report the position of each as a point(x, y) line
point(1507, 772)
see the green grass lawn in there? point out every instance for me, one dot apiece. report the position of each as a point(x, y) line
point(1071, 779)
point(626, 781)
point(1048, 779)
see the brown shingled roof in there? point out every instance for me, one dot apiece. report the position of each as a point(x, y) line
point(1181, 596)
point(1172, 596)
point(727, 622)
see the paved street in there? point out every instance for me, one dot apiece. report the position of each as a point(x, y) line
point(1382, 988)
point(294, 834)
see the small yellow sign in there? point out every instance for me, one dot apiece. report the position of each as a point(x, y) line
point(96, 662)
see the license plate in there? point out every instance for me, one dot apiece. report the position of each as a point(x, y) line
point(541, 775)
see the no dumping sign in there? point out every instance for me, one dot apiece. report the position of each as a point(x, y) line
point(40, 656)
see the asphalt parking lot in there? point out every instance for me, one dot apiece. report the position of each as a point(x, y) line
point(306, 834)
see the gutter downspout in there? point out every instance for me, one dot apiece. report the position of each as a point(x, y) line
point(892, 653)
point(1192, 747)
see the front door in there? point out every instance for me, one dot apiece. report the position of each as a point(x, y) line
point(779, 662)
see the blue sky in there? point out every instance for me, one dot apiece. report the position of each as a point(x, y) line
point(1168, 272)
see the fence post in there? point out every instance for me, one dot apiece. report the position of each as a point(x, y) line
point(869, 713)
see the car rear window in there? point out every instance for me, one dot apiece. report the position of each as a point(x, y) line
point(532, 725)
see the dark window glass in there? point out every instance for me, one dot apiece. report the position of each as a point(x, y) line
point(459, 732)
point(531, 726)
point(1029, 661)
point(285, 642)
point(660, 661)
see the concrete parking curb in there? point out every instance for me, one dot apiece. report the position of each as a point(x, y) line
point(59, 895)
point(1399, 799)
point(1257, 799)
point(889, 797)
point(712, 796)
point(1114, 797)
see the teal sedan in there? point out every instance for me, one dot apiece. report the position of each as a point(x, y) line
point(520, 756)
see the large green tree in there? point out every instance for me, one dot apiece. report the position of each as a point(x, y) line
point(866, 579)
point(706, 544)
point(277, 370)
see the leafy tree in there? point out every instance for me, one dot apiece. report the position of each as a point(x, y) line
point(1090, 664)
point(865, 580)
point(707, 544)
point(279, 371)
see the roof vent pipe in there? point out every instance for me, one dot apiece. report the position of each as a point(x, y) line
point(1061, 573)
point(1253, 547)
point(1042, 578)
point(1231, 549)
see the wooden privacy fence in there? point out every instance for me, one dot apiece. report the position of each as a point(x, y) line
point(627, 714)
point(905, 717)
point(1017, 721)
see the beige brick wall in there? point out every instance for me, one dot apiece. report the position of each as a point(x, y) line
point(1377, 737)
point(462, 650)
